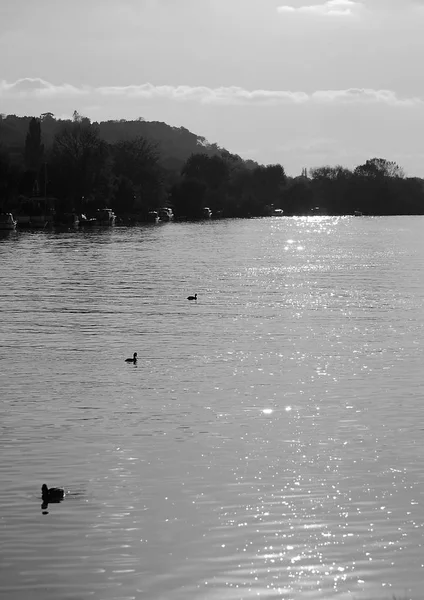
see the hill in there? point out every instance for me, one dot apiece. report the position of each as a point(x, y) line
point(175, 144)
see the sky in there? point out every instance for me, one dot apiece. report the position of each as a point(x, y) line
point(303, 83)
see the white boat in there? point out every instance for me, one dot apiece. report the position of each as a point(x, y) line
point(105, 217)
point(153, 216)
point(87, 222)
point(7, 222)
point(278, 212)
point(165, 214)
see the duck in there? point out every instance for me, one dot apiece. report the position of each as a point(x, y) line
point(133, 359)
point(52, 494)
point(192, 297)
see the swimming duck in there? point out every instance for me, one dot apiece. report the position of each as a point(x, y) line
point(133, 359)
point(192, 297)
point(51, 494)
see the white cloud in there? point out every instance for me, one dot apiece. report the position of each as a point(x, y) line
point(206, 95)
point(34, 86)
point(355, 95)
point(233, 95)
point(331, 8)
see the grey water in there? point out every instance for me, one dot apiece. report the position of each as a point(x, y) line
point(269, 442)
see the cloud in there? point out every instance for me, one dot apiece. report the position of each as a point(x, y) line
point(355, 95)
point(353, 8)
point(331, 8)
point(38, 87)
point(206, 95)
point(224, 96)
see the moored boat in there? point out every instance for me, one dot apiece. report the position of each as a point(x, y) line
point(105, 217)
point(152, 216)
point(165, 214)
point(7, 222)
point(85, 221)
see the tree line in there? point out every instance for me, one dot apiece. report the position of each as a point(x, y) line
point(84, 168)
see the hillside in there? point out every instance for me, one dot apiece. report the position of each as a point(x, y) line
point(175, 144)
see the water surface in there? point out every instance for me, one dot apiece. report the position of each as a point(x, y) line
point(269, 442)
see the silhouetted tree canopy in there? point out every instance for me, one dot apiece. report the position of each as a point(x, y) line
point(77, 160)
point(34, 149)
point(379, 167)
point(133, 158)
point(211, 170)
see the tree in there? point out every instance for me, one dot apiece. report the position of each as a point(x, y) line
point(327, 173)
point(33, 159)
point(213, 171)
point(268, 183)
point(134, 158)
point(188, 198)
point(9, 180)
point(331, 188)
point(77, 160)
point(34, 149)
point(379, 167)
point(299, 197)
point(205, 179)
point(376, 186)
point(139, 178)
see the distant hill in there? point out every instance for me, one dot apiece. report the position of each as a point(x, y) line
point(175, 144)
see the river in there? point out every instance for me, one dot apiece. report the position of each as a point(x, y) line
point(269, 442)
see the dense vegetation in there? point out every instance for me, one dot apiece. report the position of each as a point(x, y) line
point(136, 166)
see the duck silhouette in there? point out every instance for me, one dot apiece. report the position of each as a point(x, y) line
point(133, 359)
point(51, 494)
point(192, 297)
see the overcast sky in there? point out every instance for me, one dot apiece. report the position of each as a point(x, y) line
point(299, 82)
